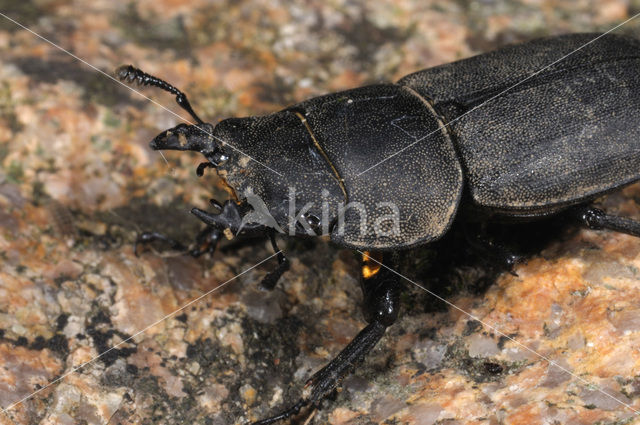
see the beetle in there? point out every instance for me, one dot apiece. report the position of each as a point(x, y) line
point(388, 167)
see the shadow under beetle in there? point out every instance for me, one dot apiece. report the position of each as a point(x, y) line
point(431, 151)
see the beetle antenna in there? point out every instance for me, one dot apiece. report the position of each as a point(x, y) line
point(131, 74)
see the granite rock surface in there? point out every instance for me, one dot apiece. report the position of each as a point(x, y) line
point(559, 342)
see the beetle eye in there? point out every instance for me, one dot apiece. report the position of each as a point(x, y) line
point(217, 157)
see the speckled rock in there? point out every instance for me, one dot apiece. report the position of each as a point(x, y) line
point(78, 182)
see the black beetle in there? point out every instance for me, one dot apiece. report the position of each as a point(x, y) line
point(387, 167)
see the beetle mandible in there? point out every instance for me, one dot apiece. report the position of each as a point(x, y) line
point(387, 167)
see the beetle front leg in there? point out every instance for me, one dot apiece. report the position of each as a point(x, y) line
point(271, 279)
point(206, 242)
point(229, 218)
point(381, 289)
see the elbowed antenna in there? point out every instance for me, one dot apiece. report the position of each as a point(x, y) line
point(131, 74)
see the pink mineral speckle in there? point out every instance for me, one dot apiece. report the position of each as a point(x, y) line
point(425, 414)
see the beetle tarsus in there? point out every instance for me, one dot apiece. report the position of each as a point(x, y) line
point(131, 74)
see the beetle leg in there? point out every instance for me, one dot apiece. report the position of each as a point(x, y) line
point(148, 237)
point(271, 279)
point(492, 251)
point(381, 304)
point(597, 219)
point(205, 242)
point(381, 289)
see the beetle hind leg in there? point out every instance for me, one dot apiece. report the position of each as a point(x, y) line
point(381, 289)
point(597, 219)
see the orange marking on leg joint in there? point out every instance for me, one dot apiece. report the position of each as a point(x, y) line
point(370, 268)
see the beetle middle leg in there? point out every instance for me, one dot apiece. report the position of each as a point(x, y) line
point(496, 253)
point(381, 289)
point(228, 218)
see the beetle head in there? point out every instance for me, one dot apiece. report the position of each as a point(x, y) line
point(197, 138)
point(200, 138)
point(275, 167)
point(285, 190)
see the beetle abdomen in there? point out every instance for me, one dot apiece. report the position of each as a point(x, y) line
point(563, 136)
